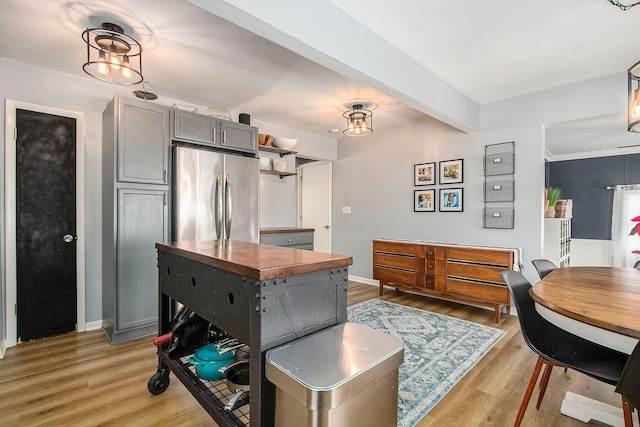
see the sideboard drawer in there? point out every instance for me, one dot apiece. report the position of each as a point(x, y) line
point(485, 256)
point(395, 248)
point(386, 274)
point(394, 261)
point(481, 291)
point(483, 272)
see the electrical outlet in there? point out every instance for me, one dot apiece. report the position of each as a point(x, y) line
point(346, 209)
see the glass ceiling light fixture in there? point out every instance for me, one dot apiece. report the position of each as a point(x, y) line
point(622, 5)
point(633, 79)
point(112, 56)
point(359, 121)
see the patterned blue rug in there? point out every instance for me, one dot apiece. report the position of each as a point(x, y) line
point(439, 351)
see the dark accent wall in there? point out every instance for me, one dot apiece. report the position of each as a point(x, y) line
point(585, 181)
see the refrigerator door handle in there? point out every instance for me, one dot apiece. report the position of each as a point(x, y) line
point(218, 206)
point(228, 208)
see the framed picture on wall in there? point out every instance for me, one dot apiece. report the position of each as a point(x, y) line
point(451, 171)
point(451, 200)
point(424, 200)
point(424, 174)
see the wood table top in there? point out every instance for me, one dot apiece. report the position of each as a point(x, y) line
point(254, 260)
point(606, 297)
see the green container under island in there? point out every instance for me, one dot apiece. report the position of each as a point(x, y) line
point(345, 375)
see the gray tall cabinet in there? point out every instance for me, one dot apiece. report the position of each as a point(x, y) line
point(135, 214)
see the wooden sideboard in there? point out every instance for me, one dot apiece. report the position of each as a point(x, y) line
point(466, 274)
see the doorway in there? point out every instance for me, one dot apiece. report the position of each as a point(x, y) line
point(315, 202)
point(44, 222)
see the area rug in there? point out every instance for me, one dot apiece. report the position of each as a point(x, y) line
point(439, 351)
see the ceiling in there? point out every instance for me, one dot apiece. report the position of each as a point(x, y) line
point(486, 50)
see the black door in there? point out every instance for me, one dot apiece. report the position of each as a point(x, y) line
point(45, 224)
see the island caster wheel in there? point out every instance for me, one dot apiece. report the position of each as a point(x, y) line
point(158, 382)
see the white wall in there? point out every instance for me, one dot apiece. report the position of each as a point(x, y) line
point(278, 197)
point(591, 252)
point(374, 176)
point(36, 85)
point(592, 98)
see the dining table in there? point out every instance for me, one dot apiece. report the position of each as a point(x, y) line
point(601, 304)
point(607, 298)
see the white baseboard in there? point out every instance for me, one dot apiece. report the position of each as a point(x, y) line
point(364, 280)
point(3, 348)
point(93, 326)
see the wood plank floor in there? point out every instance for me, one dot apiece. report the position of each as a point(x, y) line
point(81, 380)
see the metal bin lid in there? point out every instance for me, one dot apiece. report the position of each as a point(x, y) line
point(326, 368)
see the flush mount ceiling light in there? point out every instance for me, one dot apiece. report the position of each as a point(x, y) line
point(633, 112)
point(359, 119)
point(622, 5)
point(112, 56)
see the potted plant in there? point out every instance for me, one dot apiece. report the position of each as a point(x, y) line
point(635, 231)
point(553, 195)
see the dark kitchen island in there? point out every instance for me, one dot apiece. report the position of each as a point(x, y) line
point(264, 296)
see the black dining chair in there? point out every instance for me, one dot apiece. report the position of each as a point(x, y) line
point(543, 267)
point(637, 264)
point(557, 347)
point(629, 387)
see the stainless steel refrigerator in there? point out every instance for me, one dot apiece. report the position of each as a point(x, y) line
point(215, 195)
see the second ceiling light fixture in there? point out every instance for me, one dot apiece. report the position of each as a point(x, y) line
point(359, 120)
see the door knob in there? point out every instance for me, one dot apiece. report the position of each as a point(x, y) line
point(326, 226)
point(68, 238)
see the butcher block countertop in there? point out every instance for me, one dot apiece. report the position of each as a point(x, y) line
point(253, 260)
point(279, 230)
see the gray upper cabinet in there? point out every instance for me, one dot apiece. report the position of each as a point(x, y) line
point(239, 136)
point(195, 127)
point(206, 130)
point(143, 142)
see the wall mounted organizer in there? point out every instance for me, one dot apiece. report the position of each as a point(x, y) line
point(499, 185)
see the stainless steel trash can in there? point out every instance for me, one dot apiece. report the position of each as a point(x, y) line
point(346, 375)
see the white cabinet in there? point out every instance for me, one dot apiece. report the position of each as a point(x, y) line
point(134, 215)
point(557, 241)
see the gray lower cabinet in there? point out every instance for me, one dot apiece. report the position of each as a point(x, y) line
point(142, 222)
point(193, 127)
point(297, 240)
point(135, 215)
